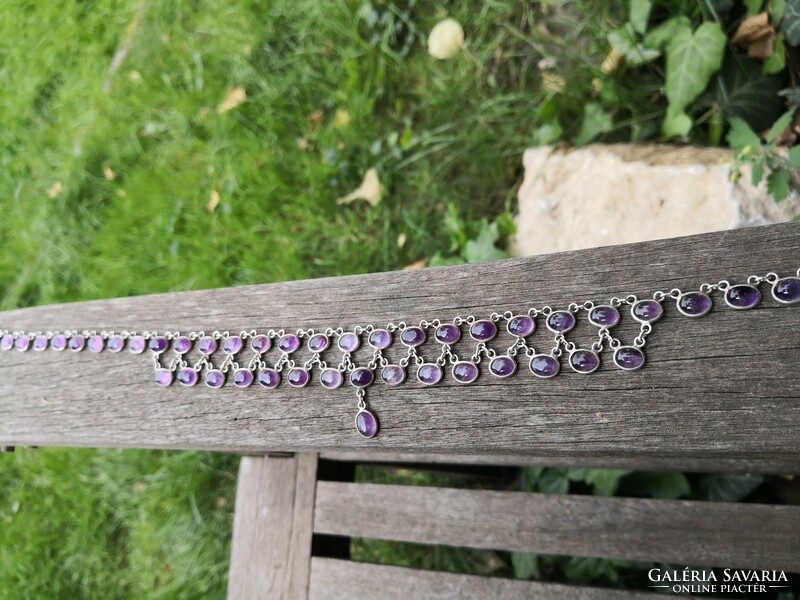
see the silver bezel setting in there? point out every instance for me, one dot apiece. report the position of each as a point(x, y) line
point(618, 365)
point(686, 314)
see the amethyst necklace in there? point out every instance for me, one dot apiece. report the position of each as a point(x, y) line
point(243, 359)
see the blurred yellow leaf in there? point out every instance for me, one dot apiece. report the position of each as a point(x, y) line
point(213, 201)
point(108, 172)
point(55, 189)
point(420, 264)
point(401, 240)
point(232, 99)
point(341, 119)
point(369, 190)
point(446, 39)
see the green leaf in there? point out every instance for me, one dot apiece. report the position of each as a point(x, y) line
point(668, 485)
point(582, 569)
point(640, 55)
point(792, 94)
point(794, 157)
point(553, 481)
point(526, 565)
point(777, 62)
point(741, 89)
point(779, 126)
point(529, 478)
point(605, 481)
point(757, 172)
point(729, 488)
point(753, 6)
point(596, 122)
point(445, 261)
point(776, 9)
point(676, 124)
point(692, 59)
point(741, 136)
point(662, 35)
point(790, 25)
point(482, 248)
point(639, 13)
point(548, 133)
point(622, 39)
point(778, 184)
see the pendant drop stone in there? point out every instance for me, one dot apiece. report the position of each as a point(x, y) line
point(502, 366)
point(269, 378)
point(215, 378)
point(331, 378)
point(429, 373)
point(393, 374)
point(187, 376)
point(584, 361)
point(298, 377)
point(629, 358)
point(163, 377)
point(242, 378)
point(545, 366)
point(366, 423)
point(465, 372)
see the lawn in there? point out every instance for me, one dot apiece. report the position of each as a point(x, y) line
point(153, 146)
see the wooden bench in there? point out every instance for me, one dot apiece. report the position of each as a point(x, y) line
point(719, 394)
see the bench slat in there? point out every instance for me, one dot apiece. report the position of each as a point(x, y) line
point(333, 579)
point(723, 387)
point(684, 532)
point(271, 549)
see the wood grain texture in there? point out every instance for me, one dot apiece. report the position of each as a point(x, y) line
point(753, 536)
point(271, 549)
point(721, 387)
point(333, 579)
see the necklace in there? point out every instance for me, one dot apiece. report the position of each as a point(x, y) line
point(221, 357)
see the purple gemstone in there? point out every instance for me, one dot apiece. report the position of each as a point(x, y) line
point(187, 376)
point(545, 366)
point(136, 344)
point(349, 342)
point(331, 378)
point(584, 361)
point(23, 342)
point(447, 333)
point(787, 290)
point(366, 423)
point(413, 336)
point(393, 374)
point(242, 378)
point(318, 342)
point(181, 345)
point(298, 377)
point(115, 343)
point(261, 344)
point(40, 343)
point(483, 330)
point(465, 372)
point(289, 343)
point(207, 345)
point(380, 339)
point(361, 377)
point(694, 304)
point(742, 296)
point(7, 342)
point(76, 343)
point(604, 316)
point(232, 344)
point(560, 321)
point(502, 366)
point(96, 343)
point(158, 344)
point(59, 342)
point(269, 378)
point(163, 376)
point(628, 358)
point(429, 373)
point(215, 378)
point(521, 326)
point(647, 311)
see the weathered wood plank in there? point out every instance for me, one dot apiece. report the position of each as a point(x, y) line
point(333, 579)
point(271, 550)
point(715, 534)
point(722, 387)
point(656, 463)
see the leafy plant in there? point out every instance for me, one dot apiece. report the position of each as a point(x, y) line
point(764, 157)
point(473, 241)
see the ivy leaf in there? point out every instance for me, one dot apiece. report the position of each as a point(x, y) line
point(791, 22)
point(659, 37)
point(676, 124)
point(729, 488)
point(692, 59)
point(777, 61)
point(596, 121)
point(753, 6)
point(548, 133)
point(756, 173)
point(482, 248)
point(553, 481)
point(639, 13)
point(794, 157)
point(778, 184)
point(779, 126)
point(604, 481)
point(445, 261)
